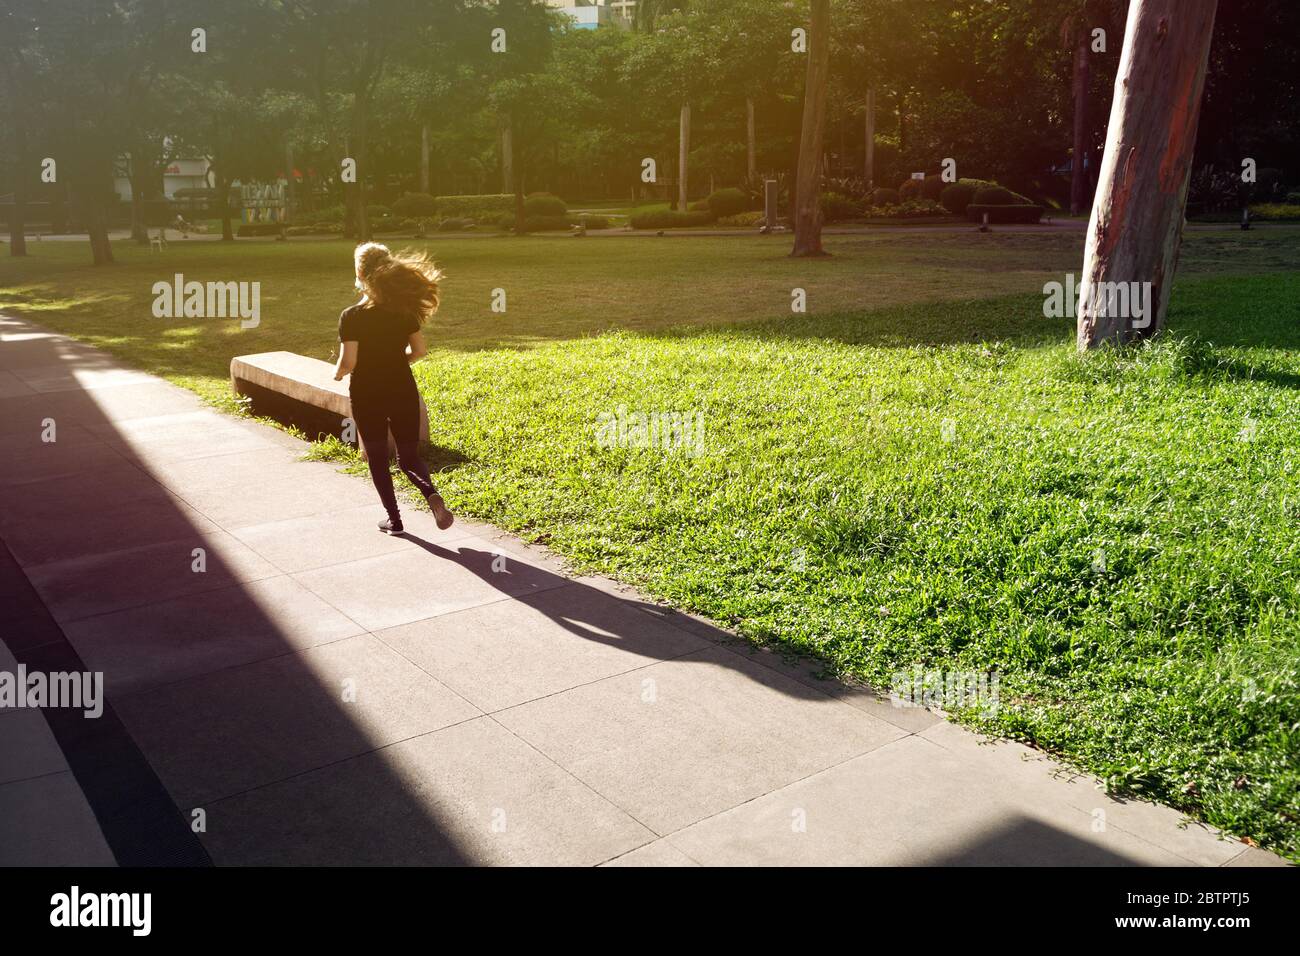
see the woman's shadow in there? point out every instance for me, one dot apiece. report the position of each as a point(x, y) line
point(604, 618)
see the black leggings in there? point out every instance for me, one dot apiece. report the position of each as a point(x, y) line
point(374, 415)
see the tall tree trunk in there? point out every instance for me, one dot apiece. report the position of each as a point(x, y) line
point(683, 156)
point(223, 197)
point(1078, 176)
point(1137, 217)
point(751, 151)
point(869, 163)
point(807, 210)
point(89, 189)
point(18, 212)
point(139, 181)
point(521, 218)
point(290, 185)
point(424, 157)
point(507, 154)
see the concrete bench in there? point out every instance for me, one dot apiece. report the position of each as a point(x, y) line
point(300, 391)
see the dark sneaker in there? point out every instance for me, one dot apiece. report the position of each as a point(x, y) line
point(441, 515)
point(392, 527)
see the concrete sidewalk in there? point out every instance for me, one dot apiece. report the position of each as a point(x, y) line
point(288, 686)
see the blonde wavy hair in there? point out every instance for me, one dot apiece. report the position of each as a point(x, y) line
point(406, 281)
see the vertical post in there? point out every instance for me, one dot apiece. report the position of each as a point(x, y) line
point(683, 156)
point(290, 189)
point(507, 155)
point(769, 205)
point(869, 165)
point(424, 158)
point(751, 158)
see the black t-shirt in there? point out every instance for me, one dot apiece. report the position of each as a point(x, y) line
point(381, 338)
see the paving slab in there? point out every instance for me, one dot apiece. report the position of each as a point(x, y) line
point(46, 821)
point(349, 534)
point(512, 651)
point(681, 740)
point(29, 461)
point(1031, 774)
point(909, 803)
point(473, 793)
point(168, 641)
point(409, 585)
point(27, 748)
point(308, 492)
point(84, 586)
point(244, 727)
point(658, 853)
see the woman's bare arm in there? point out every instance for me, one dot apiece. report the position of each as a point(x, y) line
point(417, 349)
point(347, 360)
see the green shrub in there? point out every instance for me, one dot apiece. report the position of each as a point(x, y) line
point(1005, 212)
point(546, 223)
point(1276, 211)
point(884, 197)
point(327, 214)
point(596, 222)
point(998, 196)
point(487, 206)
point(837, 207)
point(957, 196)
point(741, 219)
point(260, 228)
point(932, 188)
point(727, 202)
point(455, 224)
point(544, 206)
point(669, 219)
point(415, 206)
point(908, 209)
point(910, 189)
point(378, 212)
point(700, 205)
point(1293, 199)
point(303, 231)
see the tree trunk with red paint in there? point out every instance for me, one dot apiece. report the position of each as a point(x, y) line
point(1137, 217)
point(807, 210)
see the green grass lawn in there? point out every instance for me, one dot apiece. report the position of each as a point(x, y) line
point(919, 472)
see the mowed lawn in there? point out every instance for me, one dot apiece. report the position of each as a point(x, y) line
point(919, 472)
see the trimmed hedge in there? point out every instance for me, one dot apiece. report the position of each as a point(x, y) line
point(910, 189)
point(742, 219)
point(669, 219)
point(837, 207)
point(595, 222)
point(884, 197)
point(479, 207)
point(995, 195)
point(957, 196)
point(727, 202)
point(415, 206)
point(544, 206)
point(546, 223)
point(260, 228)
point(1005, 212)
point(932, 188)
